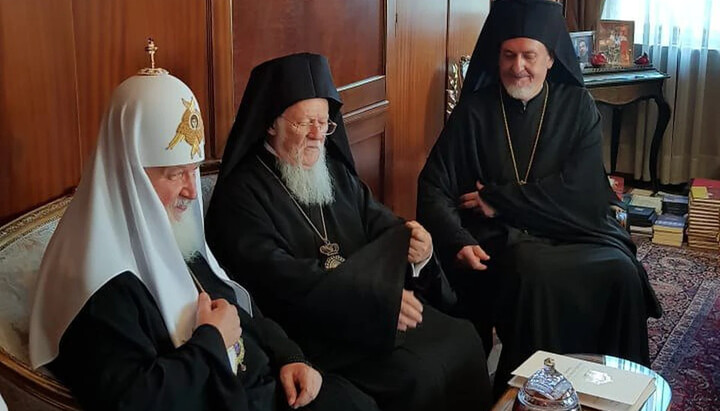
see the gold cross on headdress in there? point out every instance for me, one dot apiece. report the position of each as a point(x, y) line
point(151, 49)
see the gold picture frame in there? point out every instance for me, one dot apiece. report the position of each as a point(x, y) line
point(615, 39)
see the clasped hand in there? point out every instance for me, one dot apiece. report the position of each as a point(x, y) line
point(221, 315)
point(472, 256)
point(473, 201)
point(301, 382)
point(420, 243)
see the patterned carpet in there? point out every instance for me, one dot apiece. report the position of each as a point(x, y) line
point(685, 342)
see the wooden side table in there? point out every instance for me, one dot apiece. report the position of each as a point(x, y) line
point(622, 88)
point(658, 401)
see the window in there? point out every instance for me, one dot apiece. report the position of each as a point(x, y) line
point(686, 23)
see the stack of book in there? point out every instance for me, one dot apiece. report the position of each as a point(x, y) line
point(675, 204)
point(641, 220)
point(668, 230)
point(704, 214)
point(642, 200)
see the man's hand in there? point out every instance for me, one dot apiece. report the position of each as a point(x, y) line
point(420, 243)
point(472, 256)
point(300, 377)
point(410, 311)
point(221, 315)
point(473, 201)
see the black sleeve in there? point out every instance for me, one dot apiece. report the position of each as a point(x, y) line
point(376, 217)
point(438, 189)
point(432, 286)
point(272, 338)
point(109, 356)
point(572, 201)
point(357, 302)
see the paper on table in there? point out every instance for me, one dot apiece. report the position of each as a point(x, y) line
point(591, 378)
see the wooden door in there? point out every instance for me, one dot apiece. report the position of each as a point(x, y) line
point(350, 33)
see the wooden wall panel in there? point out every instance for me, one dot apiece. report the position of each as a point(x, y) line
point(366, 122)
point(465, 20)
point(362, 94)
point(221, 73)
point(39, 146)
point(60, 61)
point(350, 33)
point(111, 37)
point(366, 132)
point(416, 53)
point(368, 155)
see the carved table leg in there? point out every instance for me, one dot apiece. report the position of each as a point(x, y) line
point(615, 138)
point(662, 122)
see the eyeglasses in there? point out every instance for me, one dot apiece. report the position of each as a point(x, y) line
point(324, 127)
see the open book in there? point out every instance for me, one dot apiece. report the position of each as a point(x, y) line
point(598, 386)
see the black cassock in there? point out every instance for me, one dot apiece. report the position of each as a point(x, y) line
point(346, 319)
point(117, 355)
point(563, 275)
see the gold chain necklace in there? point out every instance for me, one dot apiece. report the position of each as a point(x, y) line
point(537, 136)
point(330, 250)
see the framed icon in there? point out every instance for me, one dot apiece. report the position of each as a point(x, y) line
point(615, 39)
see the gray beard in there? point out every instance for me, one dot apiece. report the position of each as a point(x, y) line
point(312, 186)
point(524, 94)
point(188, 235)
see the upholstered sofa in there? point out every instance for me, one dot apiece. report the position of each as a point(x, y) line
point(22, 244)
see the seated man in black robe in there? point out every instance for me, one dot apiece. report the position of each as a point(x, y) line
point(515, 183)
point(132, 311)
point(341, 273)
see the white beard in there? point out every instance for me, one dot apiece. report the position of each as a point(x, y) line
point(309, 186)
point(522, 93)
point(188, 234)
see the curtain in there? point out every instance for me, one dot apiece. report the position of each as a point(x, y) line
point(582, 15)
point(682, 39)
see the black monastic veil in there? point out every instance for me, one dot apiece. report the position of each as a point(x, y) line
point(344, 319)
point(563, 275)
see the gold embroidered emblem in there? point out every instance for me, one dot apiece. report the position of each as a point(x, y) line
point(190, 128)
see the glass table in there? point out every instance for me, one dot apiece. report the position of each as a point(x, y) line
point(658, 401)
